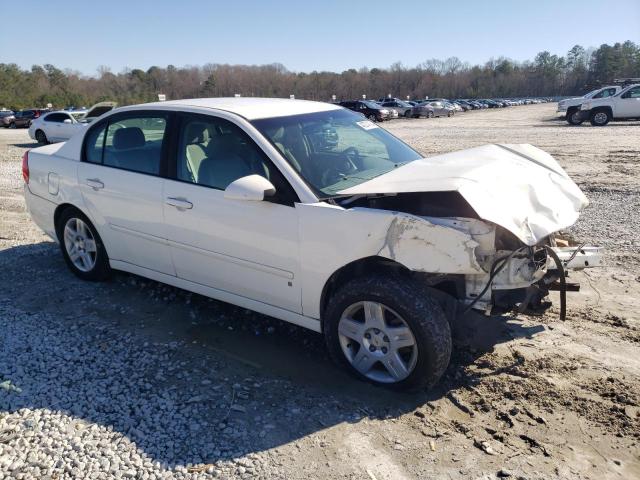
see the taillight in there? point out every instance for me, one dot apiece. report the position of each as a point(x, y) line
point(25, 166)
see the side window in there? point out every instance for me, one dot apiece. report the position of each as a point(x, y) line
point(633, 93)
point(214, 152)
point(94, 143)
point(55, 117)
point(135, 143)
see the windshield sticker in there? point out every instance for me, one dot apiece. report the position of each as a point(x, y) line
point(367, 125)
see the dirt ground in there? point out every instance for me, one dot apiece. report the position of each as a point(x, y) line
point(525, 397)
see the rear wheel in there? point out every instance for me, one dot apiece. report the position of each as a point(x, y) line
point(429, 114)
point(41, 137)
point(388, 332)
point(574, 116)
point(407, 114)
point(81, 246)
point(599, 118)
point(372, 118)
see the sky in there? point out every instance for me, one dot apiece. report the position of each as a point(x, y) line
point(303, 35)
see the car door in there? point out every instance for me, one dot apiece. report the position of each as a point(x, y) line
point(51, 125)
point(67, 127)
point(246, 248)
point(627, 105)
point(121, 184)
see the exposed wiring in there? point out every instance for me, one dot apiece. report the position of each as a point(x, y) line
point(493, 273)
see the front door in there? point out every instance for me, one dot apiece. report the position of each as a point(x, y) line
point(246, 248)
point(628, 105)
point(121, 185)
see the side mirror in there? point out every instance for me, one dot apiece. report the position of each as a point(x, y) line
point(66, 120)
point(252, 187)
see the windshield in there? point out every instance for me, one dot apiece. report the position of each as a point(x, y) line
point(372, 105)
point(335, 150)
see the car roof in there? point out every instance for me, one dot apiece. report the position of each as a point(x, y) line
point(251, 108)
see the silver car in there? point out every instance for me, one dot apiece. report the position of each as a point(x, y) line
point(403, 108)
point(431, 109)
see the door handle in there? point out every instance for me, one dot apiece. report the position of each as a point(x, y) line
point(179, 203)
point(95, 183)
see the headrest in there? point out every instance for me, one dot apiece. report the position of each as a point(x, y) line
point(126, 138)
point(197, 133)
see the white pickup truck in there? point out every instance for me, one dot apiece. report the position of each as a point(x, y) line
point(623, 105)
point(571, 106)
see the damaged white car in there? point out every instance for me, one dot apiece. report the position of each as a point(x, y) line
point(312, 214)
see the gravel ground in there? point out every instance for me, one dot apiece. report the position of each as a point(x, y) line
point(133, 379)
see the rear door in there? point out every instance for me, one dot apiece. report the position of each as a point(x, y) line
point(120, 177)
point(246, 248)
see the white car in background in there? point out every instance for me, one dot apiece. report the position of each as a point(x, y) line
point(60, 126)
point(624, 105)
point(312, 214)
point(570, 107)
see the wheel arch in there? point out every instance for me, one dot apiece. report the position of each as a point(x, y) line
point(60, 209)
point(603, 108)
point(447, 287)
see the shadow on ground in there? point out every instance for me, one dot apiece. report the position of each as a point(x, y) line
point(188, 379)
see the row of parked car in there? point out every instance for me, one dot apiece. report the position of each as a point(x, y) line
point(620, 100)
point(46, 125)
point(390, 108)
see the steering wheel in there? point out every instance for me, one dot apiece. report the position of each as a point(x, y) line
point(352, 154)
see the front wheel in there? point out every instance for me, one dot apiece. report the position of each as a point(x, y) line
point(600, 118)
point(81, 246)
point(574, 116)
point(389, 332)
point(407, 114)
point(12, 125)
point(373, 118)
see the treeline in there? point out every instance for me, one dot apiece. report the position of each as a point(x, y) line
point(546, 75)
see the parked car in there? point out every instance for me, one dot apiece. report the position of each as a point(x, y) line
point(623, 105)
point(431, 109)
point(62, 125)
point(365, 242)
point(571, 106)
point(403, 108)
point(370, 109)
point(6, 117)
point(23, 118)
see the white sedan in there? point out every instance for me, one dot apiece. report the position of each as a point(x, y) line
point(311, 213)
point(60, 126)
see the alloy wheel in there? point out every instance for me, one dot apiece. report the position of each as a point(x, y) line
point(600, 118)
point(80, 244)
point(377, 342)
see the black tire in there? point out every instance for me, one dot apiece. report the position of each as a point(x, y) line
point(373, 118)
point(450, 113)
point(101, 270)
point(407, 114)
point(417, 307)
point(600, 117)
point(41, 137)
point(574, 117)
point(12, 125)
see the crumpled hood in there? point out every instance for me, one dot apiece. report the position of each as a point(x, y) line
point(518, 187)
